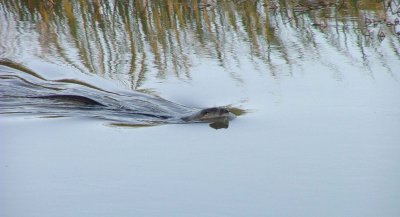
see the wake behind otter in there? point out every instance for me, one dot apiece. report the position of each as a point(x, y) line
point(23, 91)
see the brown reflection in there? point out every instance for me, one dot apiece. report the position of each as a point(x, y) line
point(132, 38)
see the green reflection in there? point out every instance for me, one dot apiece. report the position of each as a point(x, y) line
point(169, 36)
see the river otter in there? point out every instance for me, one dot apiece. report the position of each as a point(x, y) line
point(210, 115)
point(26, 92)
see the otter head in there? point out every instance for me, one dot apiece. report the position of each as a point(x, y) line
point(210, 115)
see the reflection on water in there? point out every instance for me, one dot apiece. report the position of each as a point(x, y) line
point(128, 40)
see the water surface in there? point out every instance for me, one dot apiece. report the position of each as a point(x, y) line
point(319, 81)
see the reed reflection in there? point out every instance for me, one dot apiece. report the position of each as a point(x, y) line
point(134, 38)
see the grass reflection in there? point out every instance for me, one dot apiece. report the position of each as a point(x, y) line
point(169, 36)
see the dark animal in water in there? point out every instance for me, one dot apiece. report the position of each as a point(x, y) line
point(210, 115)
point(23, 91)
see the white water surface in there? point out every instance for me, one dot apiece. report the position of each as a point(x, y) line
point(321, 136)
point(315, 147)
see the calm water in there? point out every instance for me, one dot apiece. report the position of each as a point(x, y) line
point(319, 81)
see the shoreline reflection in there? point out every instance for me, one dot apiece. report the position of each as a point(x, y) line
point(137, 40)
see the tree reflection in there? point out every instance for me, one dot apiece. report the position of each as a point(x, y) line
point(169, 36)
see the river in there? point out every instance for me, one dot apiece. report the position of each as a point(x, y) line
point(316, 83)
